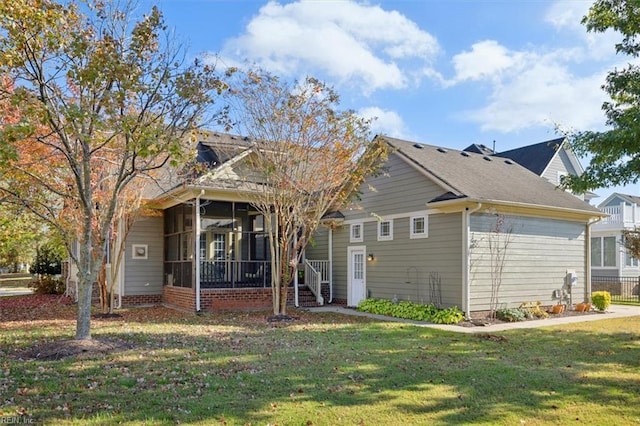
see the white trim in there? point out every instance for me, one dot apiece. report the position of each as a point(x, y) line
point(359, 239)
point(140, 251)
point(385, 237)
point(350, 250)
point(375, 218)
point(425, 231)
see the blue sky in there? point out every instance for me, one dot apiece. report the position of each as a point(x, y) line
point(442, 72)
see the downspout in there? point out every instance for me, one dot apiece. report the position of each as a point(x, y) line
point(196, 257)
point(330, 265)
point(587, 237)
point(466, 259)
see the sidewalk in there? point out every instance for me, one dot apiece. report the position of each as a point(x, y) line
point(615, 311)
point(16, 291)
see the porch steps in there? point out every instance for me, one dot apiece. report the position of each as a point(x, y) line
point(306, 298)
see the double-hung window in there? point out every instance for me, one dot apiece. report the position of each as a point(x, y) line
point(385, 230)
point(419, 227)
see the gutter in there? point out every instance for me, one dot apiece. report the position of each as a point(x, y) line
point(466, 259)
point(528, 206)
point(196, 256)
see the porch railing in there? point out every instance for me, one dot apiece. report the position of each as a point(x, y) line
point(235, 273)
point(321, 266)
point(622, 289)
point(313, 280)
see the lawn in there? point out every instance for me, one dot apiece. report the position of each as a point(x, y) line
point(235, 368)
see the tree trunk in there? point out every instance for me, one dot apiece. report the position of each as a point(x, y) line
point(83, 323)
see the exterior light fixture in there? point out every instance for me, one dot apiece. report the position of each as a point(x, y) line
point(371, 257)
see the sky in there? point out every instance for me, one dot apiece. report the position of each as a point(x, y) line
point(450, 73)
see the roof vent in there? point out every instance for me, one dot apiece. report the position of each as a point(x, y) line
point(417, 145)
point(464, 153)
point(508, 161)
point(442, 150)
point(233, 137)
point(486, 157)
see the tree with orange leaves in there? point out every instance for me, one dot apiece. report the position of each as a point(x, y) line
point(310, 157)
point(103, 99)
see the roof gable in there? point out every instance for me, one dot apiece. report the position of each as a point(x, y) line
point(465, 175)
point(536, 157)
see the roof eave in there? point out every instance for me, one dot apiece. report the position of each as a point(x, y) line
point(517, 207)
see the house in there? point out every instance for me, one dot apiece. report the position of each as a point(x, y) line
point(201, 244)
point(425, 232)
point(421, 231)
point(608, 255)
point(550, 159)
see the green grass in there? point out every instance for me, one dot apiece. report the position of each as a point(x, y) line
point(323, 369)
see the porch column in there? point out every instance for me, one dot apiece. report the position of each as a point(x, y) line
point(196, 251)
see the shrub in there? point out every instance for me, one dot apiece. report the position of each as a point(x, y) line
point(601, 300)
point(412, 311)
point(48, 260)
point(512, 314)
point(47, 284)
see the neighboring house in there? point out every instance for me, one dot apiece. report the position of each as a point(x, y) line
point(422, 232)
point(608, 255)
point(550, 159)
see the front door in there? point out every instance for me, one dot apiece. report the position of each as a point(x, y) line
point(356, 268)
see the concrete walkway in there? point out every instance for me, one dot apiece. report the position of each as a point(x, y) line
point(15, 291)
point(615, 311)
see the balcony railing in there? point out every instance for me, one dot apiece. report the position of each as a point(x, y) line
point(622, 215)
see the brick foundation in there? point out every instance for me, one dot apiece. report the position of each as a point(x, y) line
point(180, 297)
point(221, 299)
point(141, 299)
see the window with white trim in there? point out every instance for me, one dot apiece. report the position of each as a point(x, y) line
point(603, 252)
point(385, 230)
point(419, 226)
point(629, 260)
point(356, 235)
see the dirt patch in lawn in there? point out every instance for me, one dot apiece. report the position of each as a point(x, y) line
point(77, 349)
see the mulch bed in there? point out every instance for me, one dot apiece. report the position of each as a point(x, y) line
point(484, 321)
point(78, 349)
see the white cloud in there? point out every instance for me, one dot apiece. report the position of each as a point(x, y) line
point(384, 121)
point(353, 43)
point(543, 95)
point(486, 60)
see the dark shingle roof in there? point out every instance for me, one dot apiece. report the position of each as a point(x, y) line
point(534, 157)
point(465, 175)
point(479, 149)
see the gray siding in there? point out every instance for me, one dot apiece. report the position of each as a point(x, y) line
point(318, 248)
point(402, 267)
point(144, 276)
point(401, 189)
point(537, 258)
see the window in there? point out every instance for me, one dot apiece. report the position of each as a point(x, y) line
point(629, 260)
point(385, 230)
point(603, 252)
point(419, 227)
point(356, 233)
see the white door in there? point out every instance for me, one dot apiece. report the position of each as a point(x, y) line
point(356, 268)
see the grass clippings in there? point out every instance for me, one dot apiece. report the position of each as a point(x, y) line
point(157, 366)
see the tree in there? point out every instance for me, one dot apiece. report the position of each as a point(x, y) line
point(103, 98)
point(615, 152)
point(307, 158)
point(498, 241)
